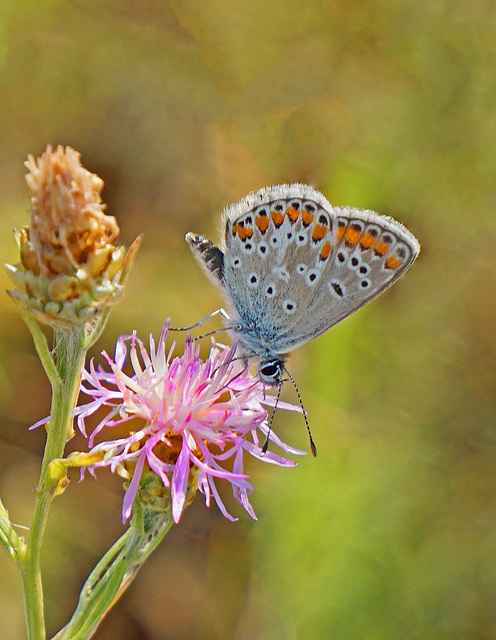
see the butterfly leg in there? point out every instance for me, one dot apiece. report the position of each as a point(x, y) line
point(220, 311)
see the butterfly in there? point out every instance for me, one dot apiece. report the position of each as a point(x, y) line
point(291, 266)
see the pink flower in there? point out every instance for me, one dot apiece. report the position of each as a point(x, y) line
point(194, 414)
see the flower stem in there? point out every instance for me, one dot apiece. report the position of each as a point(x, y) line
point(116, 570)
point(69, 358)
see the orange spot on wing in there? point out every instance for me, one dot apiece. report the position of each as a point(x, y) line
point(367, 241)
point(352, 236)
point(340, 232)
point(393, 262)
point(318, 232)
point(307, 218)
point(262, 223)
point(381, 248)
point(325, 251)
point(277, 217)
point(242, 231)
point(293, 214)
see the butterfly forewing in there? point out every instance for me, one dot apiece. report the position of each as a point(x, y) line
point(294, 266)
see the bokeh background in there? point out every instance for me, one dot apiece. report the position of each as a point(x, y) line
point(183, 107)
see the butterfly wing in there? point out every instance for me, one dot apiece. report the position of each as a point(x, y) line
point(368, 254)
point(291, 266)
point(264, 243)
point(294, 266)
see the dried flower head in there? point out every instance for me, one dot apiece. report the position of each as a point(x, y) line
point(69, 269)
point(192, 416)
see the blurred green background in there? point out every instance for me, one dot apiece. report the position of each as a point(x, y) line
point(182, 108)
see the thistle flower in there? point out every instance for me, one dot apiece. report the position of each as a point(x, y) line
point(193, 416)
point(69, 270)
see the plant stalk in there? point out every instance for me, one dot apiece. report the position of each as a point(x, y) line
point(69, 359)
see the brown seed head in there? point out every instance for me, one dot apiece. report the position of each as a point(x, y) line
point(69, 269)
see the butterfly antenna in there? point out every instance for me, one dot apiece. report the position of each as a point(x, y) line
point(312, 443)
point(266, 443)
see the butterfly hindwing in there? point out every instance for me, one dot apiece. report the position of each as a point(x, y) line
point(292, 266)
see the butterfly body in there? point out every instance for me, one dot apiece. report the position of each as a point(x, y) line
point(291, 266)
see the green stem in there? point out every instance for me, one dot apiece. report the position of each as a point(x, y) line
point(116, 570)
point(65, 388)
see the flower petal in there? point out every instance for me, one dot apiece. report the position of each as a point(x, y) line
point(130, 494)
point(179, 484)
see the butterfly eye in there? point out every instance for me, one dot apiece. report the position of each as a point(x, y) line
point(270, 372)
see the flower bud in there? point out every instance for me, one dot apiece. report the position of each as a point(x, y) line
point(69, 270)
